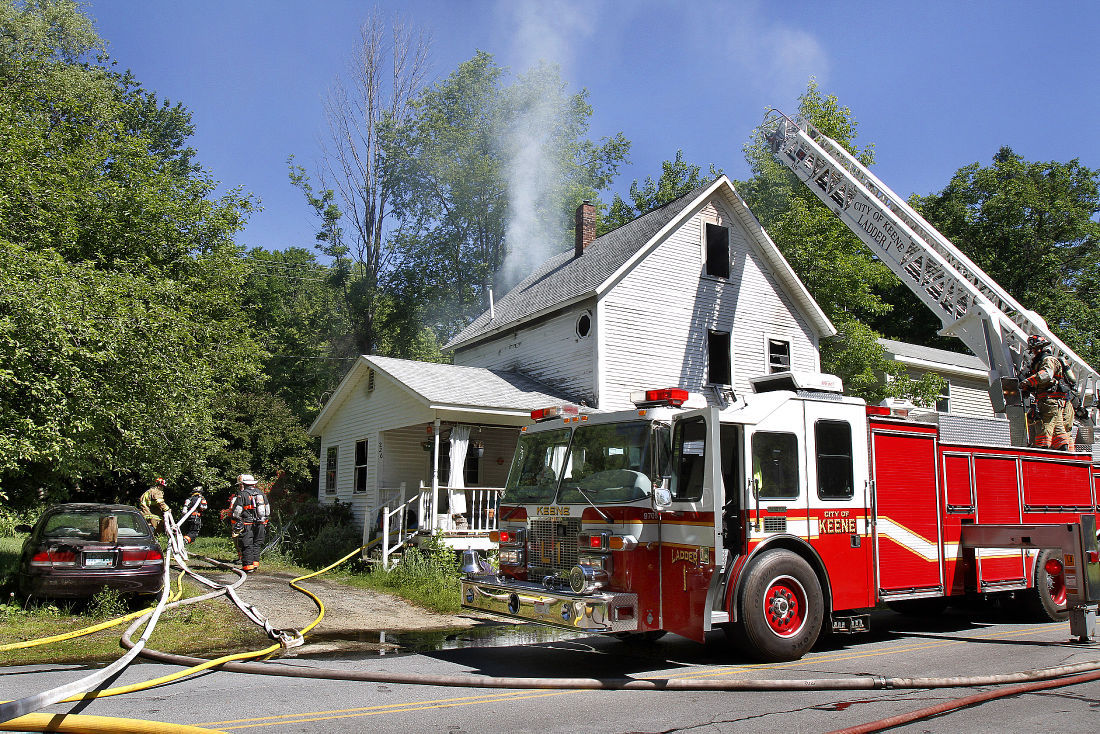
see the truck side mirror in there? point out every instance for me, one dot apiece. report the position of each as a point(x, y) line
point(662, 495)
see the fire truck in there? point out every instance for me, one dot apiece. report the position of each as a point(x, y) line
point(795, 509)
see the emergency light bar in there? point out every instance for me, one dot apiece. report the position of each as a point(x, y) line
point(554, 411)
point(673, 396)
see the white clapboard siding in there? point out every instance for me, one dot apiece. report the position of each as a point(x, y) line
point(549, 350)
point(970, 397)
point(655, 321)
point(365, 415)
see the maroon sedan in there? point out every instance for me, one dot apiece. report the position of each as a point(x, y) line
point(74, 550)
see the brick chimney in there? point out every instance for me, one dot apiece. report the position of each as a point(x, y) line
point(585, 230)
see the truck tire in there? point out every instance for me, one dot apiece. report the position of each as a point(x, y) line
point(781, 608)
point(1046, 601)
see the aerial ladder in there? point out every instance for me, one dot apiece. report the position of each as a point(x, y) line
point(970, 304)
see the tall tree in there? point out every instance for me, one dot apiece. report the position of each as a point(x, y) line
point(1033, 227)
point(839, 271)
point(353, 195)
point(119, 322)
point(677, 178)
point(489, 170)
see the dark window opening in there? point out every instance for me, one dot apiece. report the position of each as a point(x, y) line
point(471, 474)
point(330, 469)
point(718, 251)
point(835, 476)
point(719, 368)
point(361, 466)
point(584, 325)
point(943, 401)
point(779, 355)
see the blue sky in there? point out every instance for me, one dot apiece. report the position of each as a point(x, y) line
point(935, 85)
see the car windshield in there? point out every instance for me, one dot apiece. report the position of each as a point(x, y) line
point(536, 467)
point(608, 463)
point(85, 524)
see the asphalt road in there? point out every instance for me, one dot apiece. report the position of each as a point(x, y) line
point(954, 644)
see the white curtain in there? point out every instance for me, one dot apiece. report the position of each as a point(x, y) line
point(460, 440)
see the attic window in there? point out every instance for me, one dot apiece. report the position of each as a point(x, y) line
point(719, 370)
point(584, 325)
point(779, 355)
point(718, 251)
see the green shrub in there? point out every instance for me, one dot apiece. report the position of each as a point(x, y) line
point(106, 603)
point(331, 543)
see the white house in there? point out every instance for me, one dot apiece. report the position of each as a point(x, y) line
point(967, 390)
point(693, 294)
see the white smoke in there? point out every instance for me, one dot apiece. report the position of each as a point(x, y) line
point(542, 33)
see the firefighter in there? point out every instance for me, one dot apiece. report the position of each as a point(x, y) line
point(1054, 425)
point(197, 505)
point(154, 496)
point(249, 517)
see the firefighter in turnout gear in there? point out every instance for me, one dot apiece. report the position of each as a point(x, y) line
point(1054, 425)
point(154, 496)
point(249, 517)
point(197, 505)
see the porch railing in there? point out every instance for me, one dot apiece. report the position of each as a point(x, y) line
point(480, 516)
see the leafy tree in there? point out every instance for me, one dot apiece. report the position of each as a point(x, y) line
point(1032, 226)
point(486, 171)
point(839, 271)
point(677, 178)
point(353, 199)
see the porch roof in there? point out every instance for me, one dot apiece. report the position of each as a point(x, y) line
point(451, 389)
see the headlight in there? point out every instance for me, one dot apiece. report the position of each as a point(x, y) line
point(597, 561)
point(511, 557)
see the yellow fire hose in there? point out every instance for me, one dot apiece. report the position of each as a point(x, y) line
point(95, 627)
point(84, 724)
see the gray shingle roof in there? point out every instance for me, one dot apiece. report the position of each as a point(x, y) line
point(915, 351)
point(448, 384)
point(565, 277)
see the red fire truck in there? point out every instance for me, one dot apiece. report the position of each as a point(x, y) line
point(797, 509)
point(793, 510)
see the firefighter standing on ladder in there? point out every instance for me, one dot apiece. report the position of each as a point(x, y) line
point(1054, 427)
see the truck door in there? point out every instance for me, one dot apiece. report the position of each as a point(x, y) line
point(837, 474)
point(691, 528)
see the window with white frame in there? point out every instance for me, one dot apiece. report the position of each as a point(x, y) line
point(779, 355)
point(361, 465)
point(943, 401)
point(718, 251)
point(719, 367)
point(330, 469)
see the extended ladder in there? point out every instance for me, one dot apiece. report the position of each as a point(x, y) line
point(970, 304)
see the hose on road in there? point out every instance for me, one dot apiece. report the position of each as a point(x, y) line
point(85, 724)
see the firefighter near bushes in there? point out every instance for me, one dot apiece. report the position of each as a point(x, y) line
point(1048, 387)
point(248, 517)
point(154, 498)
point(195, 504)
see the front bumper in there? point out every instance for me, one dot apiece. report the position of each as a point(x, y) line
point(600, 612)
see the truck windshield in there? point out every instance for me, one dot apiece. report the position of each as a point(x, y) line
point(608, 463)
point(536, 467)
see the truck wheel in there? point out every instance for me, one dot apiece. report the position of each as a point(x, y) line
point(1047, 600)
point(781, 608)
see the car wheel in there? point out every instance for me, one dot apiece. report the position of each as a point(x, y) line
point(781, 608)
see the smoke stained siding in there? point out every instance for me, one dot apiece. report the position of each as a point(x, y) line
point(549, 351)
point(655, 320)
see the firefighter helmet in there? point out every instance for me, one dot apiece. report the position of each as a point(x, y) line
point(1035, 342)
point(246, 479)
point(160, 482)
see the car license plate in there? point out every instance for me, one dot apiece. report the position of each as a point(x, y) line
point(99, 560)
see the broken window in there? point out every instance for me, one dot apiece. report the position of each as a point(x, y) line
point(779, 355)
point(718, 251)
point(719, 368)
